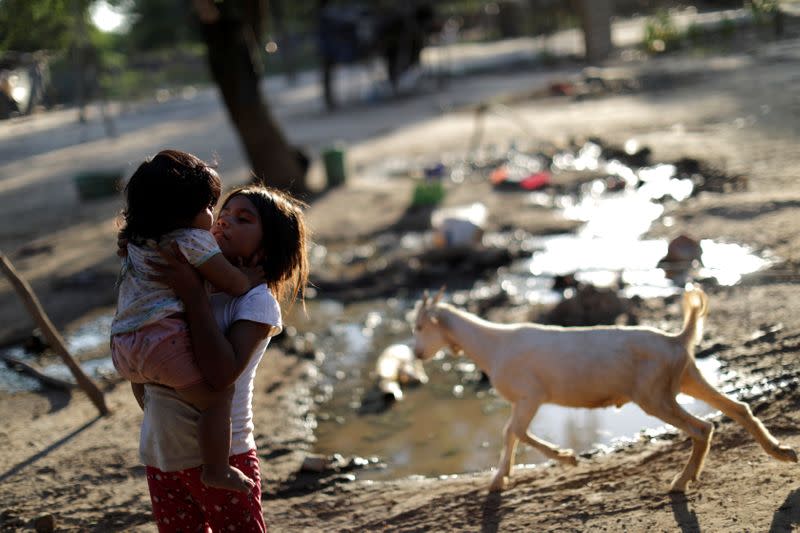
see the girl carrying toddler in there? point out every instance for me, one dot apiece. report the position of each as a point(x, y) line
point(170, 199)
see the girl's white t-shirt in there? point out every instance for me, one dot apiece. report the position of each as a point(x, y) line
point(168, 439)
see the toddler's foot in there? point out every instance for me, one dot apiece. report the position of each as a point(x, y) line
point(226, 477)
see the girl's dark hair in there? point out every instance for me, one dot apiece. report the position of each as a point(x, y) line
point(284, 239)
point(165, 193)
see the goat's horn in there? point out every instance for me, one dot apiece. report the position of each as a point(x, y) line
point(439, 295)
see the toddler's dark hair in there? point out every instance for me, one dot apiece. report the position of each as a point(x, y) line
point(165, 193)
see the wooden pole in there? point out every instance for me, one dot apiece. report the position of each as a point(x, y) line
point(50, 333)
point(22, 366)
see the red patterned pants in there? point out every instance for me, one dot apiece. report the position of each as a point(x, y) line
point(181, 503)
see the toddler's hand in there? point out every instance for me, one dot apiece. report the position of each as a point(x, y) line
point(122, 245)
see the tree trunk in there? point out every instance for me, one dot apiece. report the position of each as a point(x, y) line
point(596, 23)
point(232, 45)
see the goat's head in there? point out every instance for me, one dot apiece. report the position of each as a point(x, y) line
point(428, 336)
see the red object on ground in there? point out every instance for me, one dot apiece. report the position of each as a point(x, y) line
point(535, 181)
point(562, 88)
point(499, 175)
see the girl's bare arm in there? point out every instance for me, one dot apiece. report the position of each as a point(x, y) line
point(221, 359)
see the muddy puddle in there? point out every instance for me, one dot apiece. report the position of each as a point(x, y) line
point(453, 423)
point(90, 338)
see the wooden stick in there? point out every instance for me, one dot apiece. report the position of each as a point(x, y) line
point(50, 333)
point(23, 367)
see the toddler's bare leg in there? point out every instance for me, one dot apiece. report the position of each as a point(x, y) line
point(214, 434)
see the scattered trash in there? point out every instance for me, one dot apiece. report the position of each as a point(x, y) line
point(459, 226)
point(562, 282)
point(683, 254)
point(315, 463)
point(35, 343)
point(562, 88)
point(435, 171)
point(335, 463)
point(396, 367)
point(520, 172)
point(710, 178)
point(334, 161)
point(502, 179)
point(591, 306)
point(427, 193)
point(632, 154)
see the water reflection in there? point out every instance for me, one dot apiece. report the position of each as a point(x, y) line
point(89, 337)
point(609, 248)
point(454, 423)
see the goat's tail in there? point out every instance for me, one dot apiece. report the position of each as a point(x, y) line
point(695, 308)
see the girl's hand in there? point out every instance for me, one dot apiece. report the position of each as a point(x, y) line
point(176, 272)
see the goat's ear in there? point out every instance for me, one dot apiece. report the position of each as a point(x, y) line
point(438, 297)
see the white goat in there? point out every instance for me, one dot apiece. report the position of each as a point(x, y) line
point(531, 364)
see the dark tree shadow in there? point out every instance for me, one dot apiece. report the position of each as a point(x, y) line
point(38, 455)
point(124, 516)
point(490, 519)
point(685, 518)
point(787, 517)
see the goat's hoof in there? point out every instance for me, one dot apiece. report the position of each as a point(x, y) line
point(785, 453)
point(568, 457)
point(497, 485)
point(678, 485)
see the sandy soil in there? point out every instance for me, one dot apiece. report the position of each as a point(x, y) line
point(740, 113)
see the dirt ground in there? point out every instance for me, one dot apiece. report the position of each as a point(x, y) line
point(738, 112)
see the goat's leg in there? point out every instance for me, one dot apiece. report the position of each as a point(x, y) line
point(694, 384)
point(524, 411)
point(699, 430)
point(506, 457)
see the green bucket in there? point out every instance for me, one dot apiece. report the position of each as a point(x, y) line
point(335, 172)
point(427, 193)
point(98, 183)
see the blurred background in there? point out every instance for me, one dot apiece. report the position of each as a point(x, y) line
point(70, 53)
point(132, 48)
